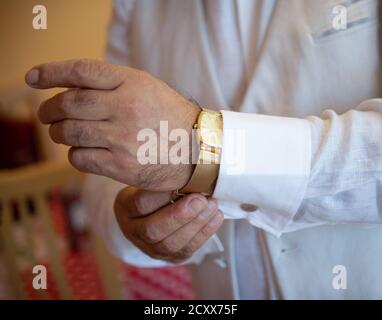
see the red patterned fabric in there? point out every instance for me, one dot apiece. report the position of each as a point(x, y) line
point(163, 283)
point(84, 277)
point(138, 284)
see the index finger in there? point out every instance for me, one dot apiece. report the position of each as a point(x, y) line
point(84, 73)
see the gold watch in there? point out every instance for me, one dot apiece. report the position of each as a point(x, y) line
point(209, 133)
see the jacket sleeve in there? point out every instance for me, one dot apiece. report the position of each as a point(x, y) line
point(117, 48)
point(301, 173)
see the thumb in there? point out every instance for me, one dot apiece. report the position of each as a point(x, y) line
point(137, 202)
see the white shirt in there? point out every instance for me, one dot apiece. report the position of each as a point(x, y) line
point(234, 60)
point(300, 172)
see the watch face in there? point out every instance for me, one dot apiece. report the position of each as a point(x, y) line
point(211, 130)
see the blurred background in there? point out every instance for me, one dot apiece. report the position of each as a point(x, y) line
point(42, 218)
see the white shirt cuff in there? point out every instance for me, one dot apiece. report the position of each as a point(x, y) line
point(265, 163)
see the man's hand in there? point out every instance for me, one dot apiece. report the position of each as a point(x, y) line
point(102, 114)
point(171, 232)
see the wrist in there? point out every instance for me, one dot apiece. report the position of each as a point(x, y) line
point(208, 133)
point(193, 147)
point(186, 169)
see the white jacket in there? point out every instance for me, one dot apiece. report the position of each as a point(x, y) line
point(310, 137)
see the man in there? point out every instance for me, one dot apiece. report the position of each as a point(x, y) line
point(302, 196)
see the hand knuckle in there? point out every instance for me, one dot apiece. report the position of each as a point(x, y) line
point(140, 203)
point(63, 103)
point(182, 214)
point(92, 165)
point(186, 252)
point(42, 112)
point(75, 158)
point(82, 68)
point(81, 166)
point(79, 134)
point(85, 164)
point(155, 255)
point(167, 246)
point(84, 98)
point(55, 132)
point(148, 233)
point(65, 128)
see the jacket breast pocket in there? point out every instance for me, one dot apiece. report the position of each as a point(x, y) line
point(359, 15)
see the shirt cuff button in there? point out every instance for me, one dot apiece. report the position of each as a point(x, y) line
point(248, 207)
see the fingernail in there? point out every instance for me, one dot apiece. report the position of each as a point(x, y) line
point(32, 76)
point(197, 205)
point(215, 221)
